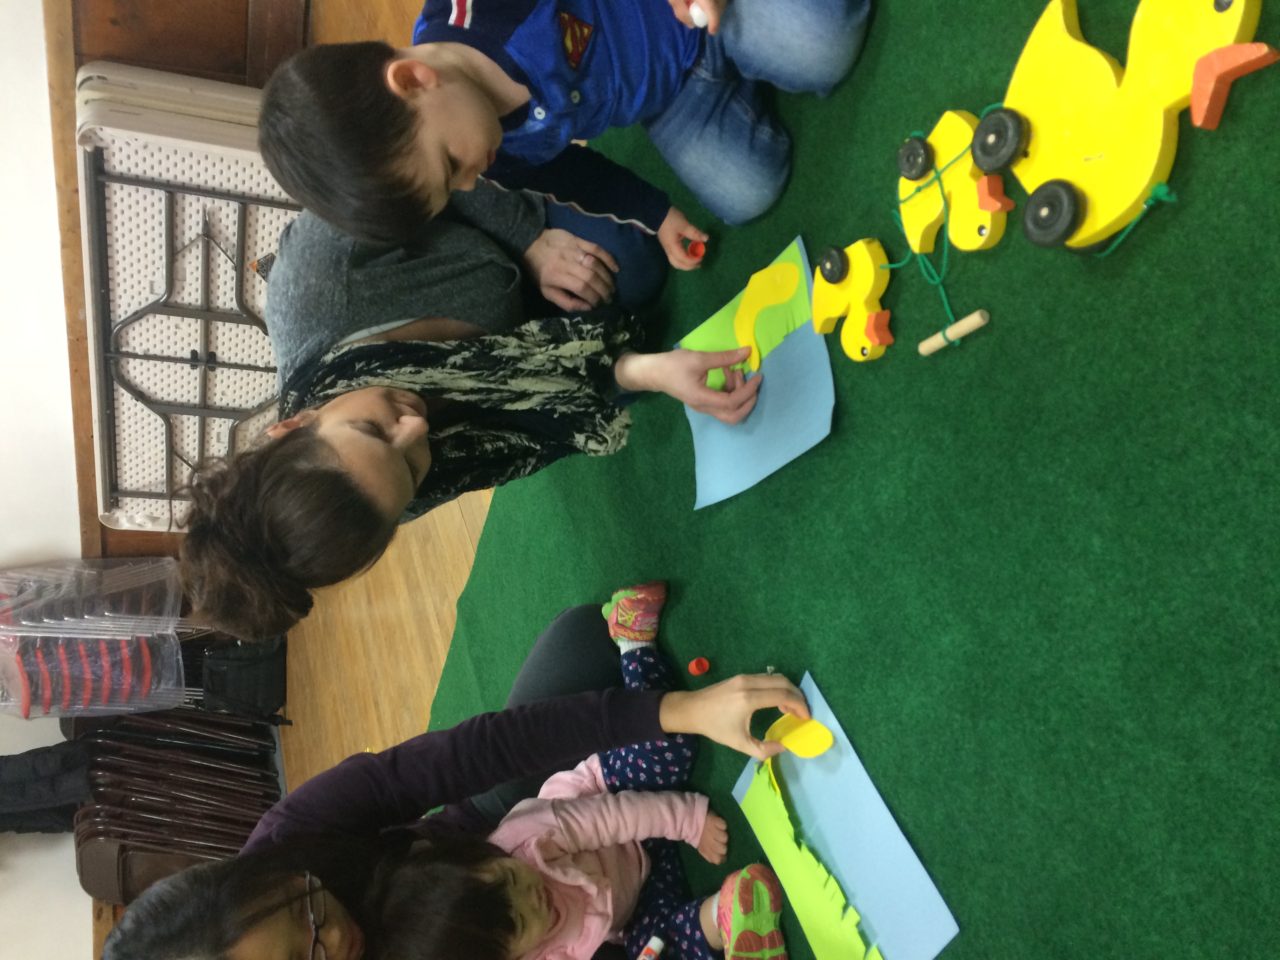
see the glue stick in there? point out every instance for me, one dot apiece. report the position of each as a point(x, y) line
point(652, 949)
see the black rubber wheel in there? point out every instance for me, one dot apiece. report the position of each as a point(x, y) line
point(1000, 139)
point(834, 265)
point(1052, 213)
point(915, 158)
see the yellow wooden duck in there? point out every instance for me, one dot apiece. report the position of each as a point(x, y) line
point(976, 207)
point(1101, 136)
point(849, 283)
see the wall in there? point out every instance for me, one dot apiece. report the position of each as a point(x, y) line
point(43, 912)
point(37, 485)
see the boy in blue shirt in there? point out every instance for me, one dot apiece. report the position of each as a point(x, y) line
point(373, 138)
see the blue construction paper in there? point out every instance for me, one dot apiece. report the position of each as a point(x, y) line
point(840, 816)
point(792, 415)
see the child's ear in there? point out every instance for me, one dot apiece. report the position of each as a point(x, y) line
point(407, 76)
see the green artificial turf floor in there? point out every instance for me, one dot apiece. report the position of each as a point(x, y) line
point(1035, 576)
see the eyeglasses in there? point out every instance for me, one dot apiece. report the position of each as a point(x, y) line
point(315, 915)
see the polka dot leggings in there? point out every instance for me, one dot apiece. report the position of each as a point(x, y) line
point(664, 908)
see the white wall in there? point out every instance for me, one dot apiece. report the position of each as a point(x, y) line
point(38, 511)
point(43, 912)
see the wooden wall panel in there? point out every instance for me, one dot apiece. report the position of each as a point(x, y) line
point(277, 29)
point(139, 543)
point(60, 57)
point(237, 41)
point(203, 38)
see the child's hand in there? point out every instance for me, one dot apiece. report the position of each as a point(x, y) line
point(714, 9)
point(714, 843)
point(674, 231)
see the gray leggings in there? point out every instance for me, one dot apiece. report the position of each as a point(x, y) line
point(573, 655)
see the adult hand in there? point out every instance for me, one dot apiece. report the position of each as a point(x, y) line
point(675, 229)
point(713, 845)
point(682, 374)
point(714, 9)
point(722, 712)
point(572, 273)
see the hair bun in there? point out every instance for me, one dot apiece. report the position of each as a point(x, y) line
point(270, 526)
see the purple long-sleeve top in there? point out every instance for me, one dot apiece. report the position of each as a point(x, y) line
point(370, 792)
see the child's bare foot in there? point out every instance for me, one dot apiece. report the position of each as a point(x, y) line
point(714, 842)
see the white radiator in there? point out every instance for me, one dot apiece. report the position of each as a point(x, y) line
point(175, 205)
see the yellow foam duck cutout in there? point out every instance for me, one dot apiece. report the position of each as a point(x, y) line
point(804, 738)
point(1089, 139)
point(774, 284)
point(976, 207)
point(849, 283)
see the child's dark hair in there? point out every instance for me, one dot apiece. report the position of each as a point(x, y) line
point(333, 133)
point(425, 900)
point(268, 527)
point(445, 902)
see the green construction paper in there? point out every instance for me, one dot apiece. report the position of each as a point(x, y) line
point(829, 923)
point(773, 323)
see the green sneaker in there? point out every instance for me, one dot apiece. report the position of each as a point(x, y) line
point(747, 913)
point(632, 612)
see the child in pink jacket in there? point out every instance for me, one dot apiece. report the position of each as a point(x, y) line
point(593, 857)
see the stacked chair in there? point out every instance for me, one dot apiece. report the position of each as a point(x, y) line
point(169, 790)
point(100, 643)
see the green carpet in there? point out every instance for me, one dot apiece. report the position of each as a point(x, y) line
point(1034, 575)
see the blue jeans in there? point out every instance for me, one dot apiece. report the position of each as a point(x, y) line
point(717, 134)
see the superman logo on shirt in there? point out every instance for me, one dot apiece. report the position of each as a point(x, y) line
point(576, 33)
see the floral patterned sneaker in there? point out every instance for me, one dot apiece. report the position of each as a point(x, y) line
point(632, 612)
point(747, 913)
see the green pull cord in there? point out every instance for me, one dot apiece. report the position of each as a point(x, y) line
point(1160, 193)
point(934, 276)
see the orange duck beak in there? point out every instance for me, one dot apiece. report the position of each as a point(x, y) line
point(1216, 71)
point(991, 197)
point(877, 329)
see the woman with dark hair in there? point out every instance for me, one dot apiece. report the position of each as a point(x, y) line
point(410, 375)
point(347, 868)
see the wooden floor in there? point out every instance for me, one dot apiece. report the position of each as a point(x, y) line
point(363, 667)
point(340, 21)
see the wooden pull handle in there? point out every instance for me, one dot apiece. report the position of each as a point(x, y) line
point(961, 328)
